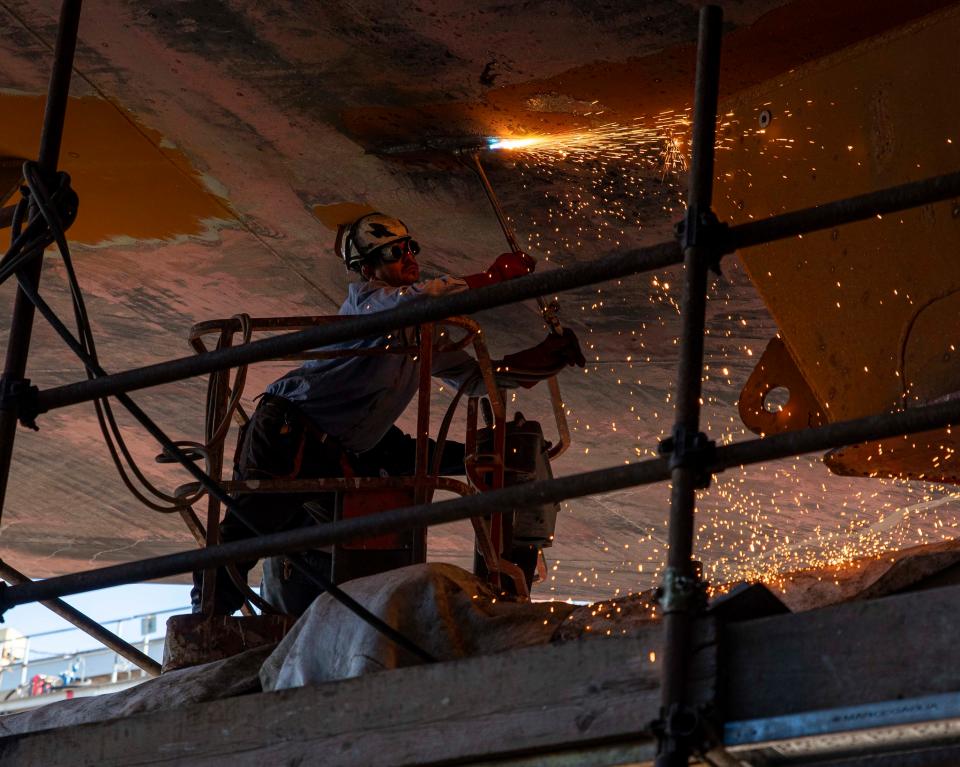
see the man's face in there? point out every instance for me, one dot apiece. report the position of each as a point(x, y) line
point(397, 273)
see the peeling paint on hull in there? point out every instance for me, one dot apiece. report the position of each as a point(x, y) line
point(133, 185)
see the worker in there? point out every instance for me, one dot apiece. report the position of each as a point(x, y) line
point(332, 415)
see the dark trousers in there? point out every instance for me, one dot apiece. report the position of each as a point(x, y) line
point(280, 443)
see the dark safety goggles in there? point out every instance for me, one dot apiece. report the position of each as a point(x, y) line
point(395, 251)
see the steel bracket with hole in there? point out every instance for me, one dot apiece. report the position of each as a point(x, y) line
point(775, 370)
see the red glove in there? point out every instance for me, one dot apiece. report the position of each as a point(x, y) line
point(506, 267)
point(544, 360)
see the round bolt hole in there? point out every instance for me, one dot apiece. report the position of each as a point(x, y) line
point(765, 117)
point(776, 399)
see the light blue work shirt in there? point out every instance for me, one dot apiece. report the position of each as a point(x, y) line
point(357, 399)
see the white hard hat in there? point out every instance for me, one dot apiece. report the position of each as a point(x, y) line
point(359, 240)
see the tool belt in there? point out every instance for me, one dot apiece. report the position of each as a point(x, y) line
point(279, 441)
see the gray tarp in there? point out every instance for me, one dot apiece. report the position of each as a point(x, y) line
point(442, 608)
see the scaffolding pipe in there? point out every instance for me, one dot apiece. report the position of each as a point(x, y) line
point(364, 326)
point(604, 269)
point(852, 432)
point(85, 623)
point(51, 138)
point(846, 211)
point(519, 496)
point(216, 491)
point(21, 323)
point(394, 520)
point(680, 589)
point(611, 267)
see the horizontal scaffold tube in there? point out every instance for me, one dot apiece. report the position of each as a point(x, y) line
point(557, 280)
point(519, 496)
point(871, 427)
point(87, 624)
point(846, 211)
point(367, 325)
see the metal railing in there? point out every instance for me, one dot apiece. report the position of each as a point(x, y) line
point(223, 404)
point(24, 652)
point(688, 458)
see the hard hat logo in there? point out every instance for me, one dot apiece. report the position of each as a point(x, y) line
point(378, 230)
point(357, 242)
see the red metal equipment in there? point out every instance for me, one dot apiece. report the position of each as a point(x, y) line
point(485, 461)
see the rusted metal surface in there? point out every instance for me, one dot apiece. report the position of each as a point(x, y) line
point(362, 503)
point(867, 312)
point(193, 523)
point(776, 369)
point(195, 639)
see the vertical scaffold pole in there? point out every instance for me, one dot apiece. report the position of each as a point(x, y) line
point(681, 589)
point(21, 324)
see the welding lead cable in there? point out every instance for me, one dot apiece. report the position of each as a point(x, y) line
point(217, 492)
point(120, 454)
point(94, 369)
point(109, 428)
point(113, 438)
point(22, 249)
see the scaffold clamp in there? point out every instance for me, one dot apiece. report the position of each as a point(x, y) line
point(19, 395)
point(697, 725)
point(681, 593)
point(704, 230)
point(689, 449)
point(677, 724)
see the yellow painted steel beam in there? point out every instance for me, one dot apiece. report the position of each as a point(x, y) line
point(870, 313)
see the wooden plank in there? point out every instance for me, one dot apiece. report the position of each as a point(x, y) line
point(547, 699)
point(901, 646)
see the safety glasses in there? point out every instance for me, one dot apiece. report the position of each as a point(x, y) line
point(395, 251)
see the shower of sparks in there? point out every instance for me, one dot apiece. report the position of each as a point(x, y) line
point(652, 140)
point(608, 166)
point(604, 189)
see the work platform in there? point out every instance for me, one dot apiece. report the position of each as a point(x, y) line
point(871, 681)
point(828, 686)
